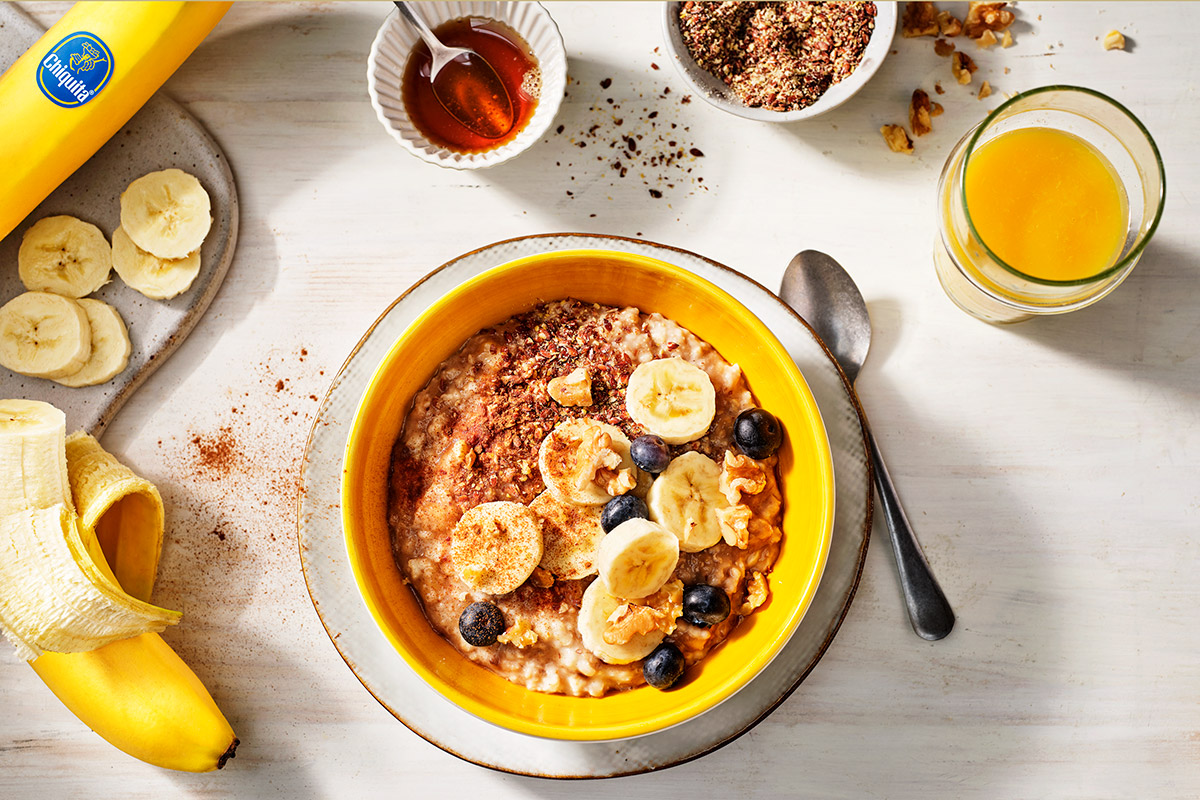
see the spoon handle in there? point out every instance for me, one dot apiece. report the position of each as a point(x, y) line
point(928, 609)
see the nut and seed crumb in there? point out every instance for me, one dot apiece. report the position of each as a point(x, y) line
point(949, 25)
point(985, 90)
point(962, 66)
point(520, 635)
point(987, 40)
point(920, 19)
point(919, 112)
point(1114, 40)
point(756, 592)
point(777, 56)
point(937, 87)
point(1006, 41)
point(897, 139)
point(936, 110)
point(943, 48)
point(982, 17)
point(573, 389)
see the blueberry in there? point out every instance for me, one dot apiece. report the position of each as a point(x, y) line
point(480, 624)
point(622, 509)
point(650, 453)
point(663, 666)
point(705, 605)
point(757, 433)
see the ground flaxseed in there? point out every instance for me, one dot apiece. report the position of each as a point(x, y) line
point(778, 56)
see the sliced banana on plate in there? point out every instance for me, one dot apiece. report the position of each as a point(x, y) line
point(496, 546)
point(685, 499)
point(64, 255)
point(636, 558)
point(156, 278)
point(671, 398)
point(597, 606)
point(571, 534)
point(166, 213)
point(578, 466)
point(44, 335)
point(110, 346)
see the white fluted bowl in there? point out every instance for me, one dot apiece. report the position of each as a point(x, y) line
point(394, 42)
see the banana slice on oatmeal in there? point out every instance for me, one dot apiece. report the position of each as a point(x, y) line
point(496, 546)
point(571, 535)
point(586, 462)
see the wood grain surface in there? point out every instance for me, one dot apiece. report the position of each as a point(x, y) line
point(1051, 469)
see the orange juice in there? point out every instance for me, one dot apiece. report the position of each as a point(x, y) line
point(1047, 203)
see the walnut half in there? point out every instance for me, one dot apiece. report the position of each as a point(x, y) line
point(897, 139)
point(919, 112)
point(574, 389)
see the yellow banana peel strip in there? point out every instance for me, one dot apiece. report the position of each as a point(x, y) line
point(124, 510)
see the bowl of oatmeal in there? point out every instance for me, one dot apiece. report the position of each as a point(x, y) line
point(486, 454)
point(778, 62)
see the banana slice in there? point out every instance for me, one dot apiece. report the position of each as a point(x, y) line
point(597, 606)
point(44, 335)
point(166, 213)
point(571, 534)
point(156, 278)
point(64, 255)
point(587, 462)
point(33, 464)
point(685, 499)
point(110, 346)
point(496, 546)
point(671, 398)
point(636, 558)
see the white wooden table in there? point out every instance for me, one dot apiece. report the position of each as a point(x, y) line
point(1052, 469)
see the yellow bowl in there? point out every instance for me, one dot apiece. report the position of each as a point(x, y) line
point(617, 279)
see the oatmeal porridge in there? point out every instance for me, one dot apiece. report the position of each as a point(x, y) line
point(568, 498)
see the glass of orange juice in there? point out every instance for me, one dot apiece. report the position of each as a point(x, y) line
point(1046, 206)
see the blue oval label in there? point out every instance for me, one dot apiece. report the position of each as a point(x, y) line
point(75, 70)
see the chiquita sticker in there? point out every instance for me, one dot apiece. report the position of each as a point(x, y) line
point(75, 70)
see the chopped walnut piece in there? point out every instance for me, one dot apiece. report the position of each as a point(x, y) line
point(937, 87)
point(1114, 40)
point(658, 612)
point(735, 525)
point(920, 19)
point(574, 389)
point(985, 90)
point(519, 635)
point(600, 463)
point(918, 113)
point(983, 17)
point(897, 139)
point(757, 593)
point(962, 66)
point(1006, 41)
point(949, 25)
point(943, 48)
point(935, 110)
point(541, 578)
point(988, 39)
point(740, 473)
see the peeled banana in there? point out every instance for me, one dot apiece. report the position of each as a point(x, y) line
point(61, 103)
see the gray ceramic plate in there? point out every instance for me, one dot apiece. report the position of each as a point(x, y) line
point(159, 136)
point(394, 684)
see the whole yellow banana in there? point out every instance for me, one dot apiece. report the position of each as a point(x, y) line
point(70, 92)
point(135, 693)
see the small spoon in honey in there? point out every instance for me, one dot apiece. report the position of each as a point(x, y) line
point(465, 84)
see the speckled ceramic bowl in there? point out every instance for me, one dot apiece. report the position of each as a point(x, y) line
point(395, 41)
point(612, 278)
point(714, 90)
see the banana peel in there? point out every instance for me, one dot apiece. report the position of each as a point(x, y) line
point(136, 693)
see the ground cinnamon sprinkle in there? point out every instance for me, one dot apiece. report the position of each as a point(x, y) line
point(216, 454)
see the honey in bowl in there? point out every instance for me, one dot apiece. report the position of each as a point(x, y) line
point(509, 56)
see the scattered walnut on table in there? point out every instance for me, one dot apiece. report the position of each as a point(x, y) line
point(1006, 41)
point(920, 19)
point(943, 48)
point(919, 112)
point(983, 17)
point(948, 25)
point(988, 39)
point(897, 139)
point(1114, 40)
point(985, 90)
point(962, 66)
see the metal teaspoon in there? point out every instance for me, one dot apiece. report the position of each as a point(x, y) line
point(819, 290)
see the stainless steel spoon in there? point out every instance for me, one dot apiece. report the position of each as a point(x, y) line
point(465, 84)
point(820, 291)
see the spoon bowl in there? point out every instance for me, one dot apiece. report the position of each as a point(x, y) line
point(823, 293)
